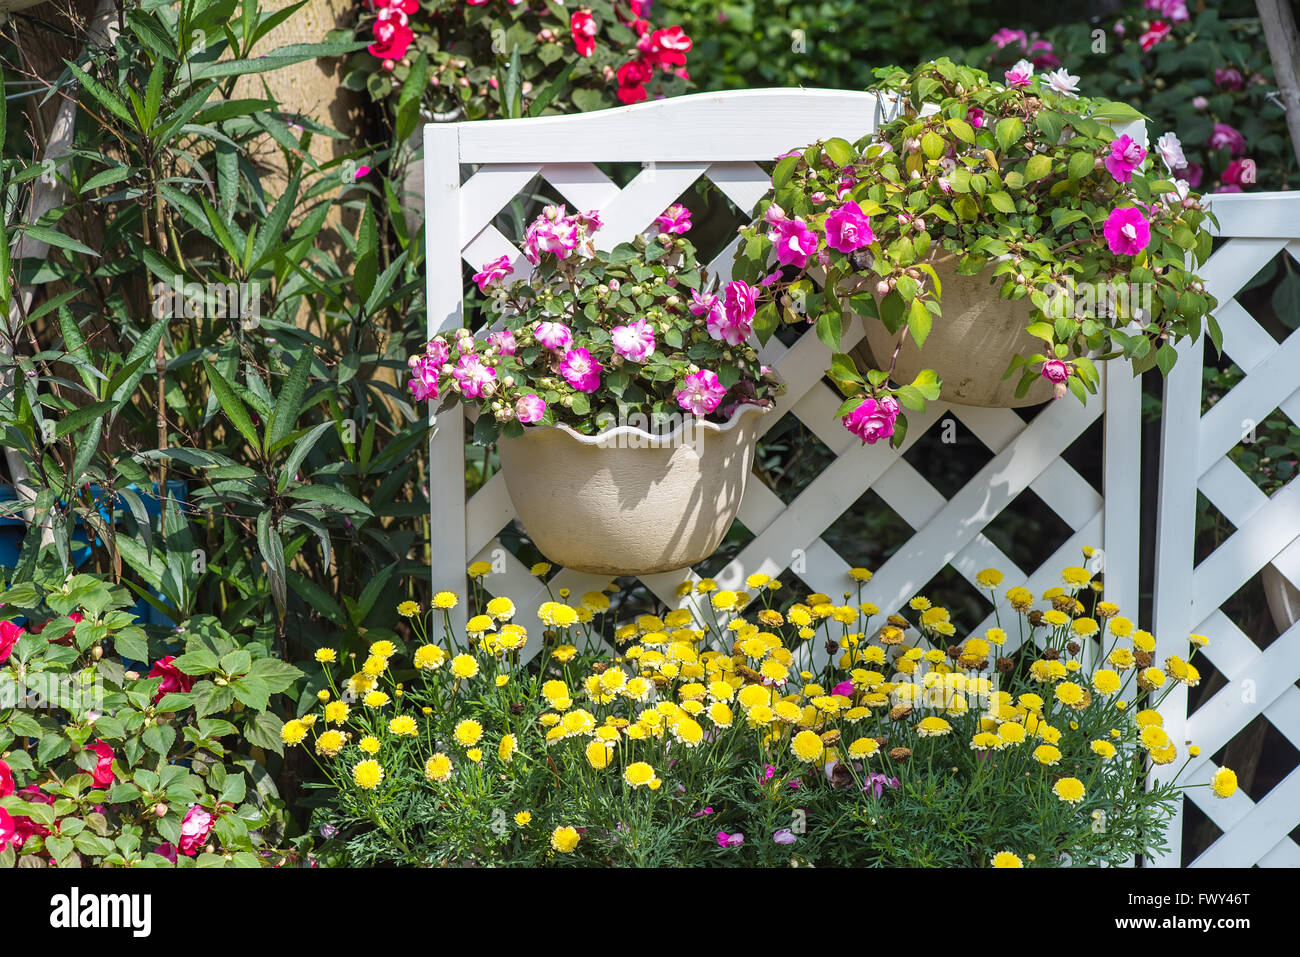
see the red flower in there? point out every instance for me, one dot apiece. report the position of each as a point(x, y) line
point(25, 828)
point(583, 26)
point(1154, 35)
point(103, 773)
point(195, 829)
point(391, 40)
point(670, 46)
point(6, 780)
point(8, 831)
point(632, 77)
point(9, 635)
point(173, 679)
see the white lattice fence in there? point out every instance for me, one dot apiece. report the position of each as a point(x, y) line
point(1189, 596)
point(722, 137)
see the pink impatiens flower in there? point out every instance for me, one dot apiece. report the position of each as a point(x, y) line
point(1127, 231)
point(1057, 372)
point(975, 116)
point(6, 779)
point(530, 408)
point(1171, 151)
point(707, 304)
point(739, 301)
point(195, 830)
point(675, 219)
point(1226, 137)
point(1125, 156)
point(497, 269)
point(503, 340)
point(1020, 75)
point(173, 679)
point(635, 341)
point(9, 635)
point(1238, 173)
point(848, 229)
point(794, 242)
point(873, 420)
point(551, 232)
point(474, 377)
point(730, 840)
point(553, 335)
point(1157, 32)
point(702, 393)
point(102, 776)
point(784, 836)
point(581, 370)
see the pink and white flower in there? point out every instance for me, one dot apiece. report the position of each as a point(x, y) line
point(848, 229)
point(1020, 75)
point(794, 242)
point(474, 377)
point(1061, 82)
point(581, 370)
point(1125, 156)
point(739, 302)
point(195, 829)
point(1155, 33)
point(635, 341)
point(503, 340)
point(553, 335)
point(530, 408)
point(424, 378)
point(1171, 151)
point(552, 232)
point(702, 393)
point(675, 219)
point(583, 27)
point(493, 272)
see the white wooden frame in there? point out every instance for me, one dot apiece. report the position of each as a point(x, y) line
point(1187, 598)
point(722, 136)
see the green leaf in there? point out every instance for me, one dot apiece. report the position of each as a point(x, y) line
point(53, 237)
point(1037, 167)
point(918, 322)
point(367, 261)
point(1081, 165)
point(232, 405)
point(839, 151)
point(1008, 131)
point(961, 129)
point(844, 369)
point(329, 495)
point(1002, 202)
point(289, 404)
point(829, 329)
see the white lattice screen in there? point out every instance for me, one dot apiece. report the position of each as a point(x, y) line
point(721, 137)
point(1189, 596)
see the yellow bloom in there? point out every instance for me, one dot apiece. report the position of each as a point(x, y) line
point(429, 657)
point(523, 818)
point(475, 754)
point(293, 732)
point(564, 839)
point(464, 666)
point(468, 732)
point(408, 609)
point(1224, 783)
point(1070, 790)
point(367, 774)
point(1198, 641)
point(374, 666)
point(1076, 577)
point(1020, 598)
point(1153, 737)
point(375, 699)
point(1006, 859)
point(540, 570)
point(1144, 641)
point(326, 655)
point(1121, 627)
point(557, 614)
point(502, 608)
point(330, 743)
point(720, 714)
point(445, 600)
point(438, 768)
point(1084, 627)
point(639, 774)
point(989, 578)
point(383, 649)
point(369, 744)
point(1011, 733)
point(1047, 754)
point(1069, 693)
point(336, 712)
point(403, 724)
point(932, 727)
point(919, 603)
point(806, 746)
point(479, 569)
point(1105, 681)
point(863, 748)
point(1103, 748)
point(860, 574)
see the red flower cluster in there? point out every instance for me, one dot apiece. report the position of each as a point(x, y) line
point(656, 49)
point(393, 34)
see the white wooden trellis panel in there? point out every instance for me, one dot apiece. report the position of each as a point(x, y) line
point(721, 137)
point(1187, 596)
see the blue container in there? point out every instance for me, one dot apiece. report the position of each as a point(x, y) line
point(13, 530)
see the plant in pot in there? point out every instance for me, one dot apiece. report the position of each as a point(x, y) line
point(622, 387)
point(995, 237)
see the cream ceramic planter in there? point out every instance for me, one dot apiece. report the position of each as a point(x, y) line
point(969, 346)
point(628, 502)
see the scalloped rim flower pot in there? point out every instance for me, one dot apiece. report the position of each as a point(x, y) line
point(626, 501)
point(969, 346)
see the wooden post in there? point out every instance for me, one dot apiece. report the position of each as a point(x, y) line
point(1284, 50)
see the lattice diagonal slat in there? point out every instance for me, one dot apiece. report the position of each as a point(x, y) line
point(722, 137)
point(1194, 458)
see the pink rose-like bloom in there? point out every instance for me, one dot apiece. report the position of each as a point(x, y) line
point(774, 215)
point(975, 116)
point(9, 635)
point(1200, 102)
point(1126, 155)
point(581, 370)
point(583, 27)
point(551, 232)
point(1226, 137)
point(497, 269)
point(1056, 370)
point(794, 242)
point(784, 836)
point(1006, 36)
point(848, 229)
point(1174, 10)
point(1020, 75)
point(1171, 151)
point(195, 829)
point(474, 376)
point(635, 341)
point(553, 335)
point(675, 219)
point(872, 421)
point(730, 840)
point(424, 377)
point(1238, 173)
point(6, 779)
point(702, 393)
point(727, 326)
point(8, 831)
point(103, 773)
point(530, 408)
point(503, 340)
point(1127, 231)
point(1159, 29)
point(173, 679)
point(1229, 78)
point(706, 304)
point(739, 302)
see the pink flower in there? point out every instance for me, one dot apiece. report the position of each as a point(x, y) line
point(552, 232)
point(425, 371)
point(1020, 75)
point(878, 782)
point(784, 836)
point(103, 773)
point(843, 688)
point(1126, 155)
point(8, 831)
point(1226, 137)
point(530, 408)
point(553, 335)
point(675, 219)
point(173, 679)
point(1175, 10)
point(794, 242)
point(195, 829)
point(6, 779)
point(632, 77)
point(739, 302)
point(706, 304)
point(767, 774)
point(730, 840)
point(1154, 35)
point(1171, 151)
point(1191, 174)
point(583, 27)
point(474, 377)
point(1238, 173)
point(635, 341)
point(497, 269)
point(581, 370)
point(728, 326)
point(703, 813)
point(166, 850)
point(848, 229)
point(1127, 231)
point(872, 420)
point(1200, 102)
point(702, 393)
point(975, 116)
point(1006, 36)
point(503, 340)
point(1229, 78)
point(773, 215)
point(1056, 370)
point(9, 635)
point(666, 48)
point(391, 39)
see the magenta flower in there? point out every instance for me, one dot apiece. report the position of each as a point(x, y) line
point(503, 340)
point(1175, 10)
point(872, 420)
point(424, 378)
point(784, 836)
point(530, 408)
point(730, 840)
point(975, 116)
point(794, 242)
point(1127, 231)
point(1056, 370)
point(675, 219)
point(878, 782)
point(767, 774)
point(1226, 137)
point(701, 393)
point(703, 813)
point(497, 269)
point(553, 335)
point(739, 302)
point(635, 341)
point(1229, 78)
point(707, 304)
point(195, 829)
point(848, 229)
point(581, 370)
point(843, 688)
point(1191, 174)
point(1238, 173)
point(1126, 155)
point(474, 377)
point(1020, 75)
point(552, 232)
point(1006, 36)
point(1157, 32)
